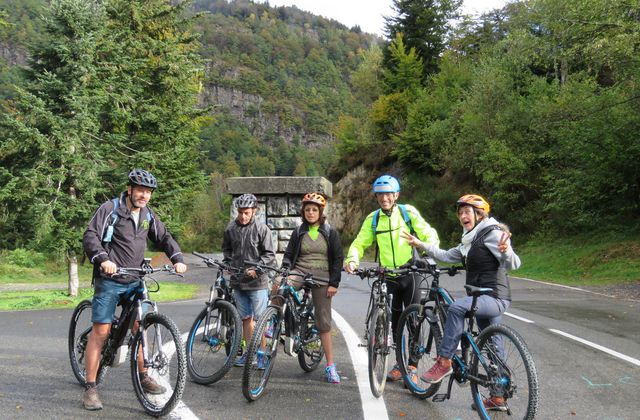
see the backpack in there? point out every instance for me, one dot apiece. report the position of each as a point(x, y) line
point(405, 216)
point(108, 232)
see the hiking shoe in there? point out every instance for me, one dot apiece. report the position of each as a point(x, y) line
point(241, 361)
point(394, 374)
point(493, 404)
point(150, 386)
point(91, 400)
point(438, 371)
point(331, 374)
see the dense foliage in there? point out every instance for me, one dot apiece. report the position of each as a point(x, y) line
point(534, 106)
point(111, 86)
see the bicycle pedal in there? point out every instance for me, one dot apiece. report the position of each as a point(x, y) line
point(439, 397)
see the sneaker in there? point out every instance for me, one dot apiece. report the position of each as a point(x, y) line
point(493, 404)
point(331, 374)
point(91, 400)
point(269, 332)
point(262, 361)
point(438, 371)
point(394, 374)
point(241, 361)
point(413, 375)
point(150, 386)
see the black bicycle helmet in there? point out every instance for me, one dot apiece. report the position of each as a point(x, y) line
point(142, 178)
point(246, 201)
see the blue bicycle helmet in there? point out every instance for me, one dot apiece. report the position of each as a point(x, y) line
point(386, 184)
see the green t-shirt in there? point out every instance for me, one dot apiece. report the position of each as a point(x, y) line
point(314, 231)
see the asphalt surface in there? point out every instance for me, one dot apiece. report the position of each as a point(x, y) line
point(577, 381)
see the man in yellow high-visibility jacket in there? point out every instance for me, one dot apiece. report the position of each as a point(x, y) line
point(383, 226)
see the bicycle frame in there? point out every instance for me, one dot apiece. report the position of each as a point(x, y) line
point(460, 363)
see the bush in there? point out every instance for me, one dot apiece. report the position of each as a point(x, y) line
point(25, 258)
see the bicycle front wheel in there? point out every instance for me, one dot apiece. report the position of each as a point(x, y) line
point(165, 365)
point(504, 384)
point(378, 350)
point(261, 354)
point(417, 346)
point(79, 331)
point(213, 342)
point(311, 352)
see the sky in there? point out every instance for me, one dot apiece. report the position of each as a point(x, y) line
point(369, 13)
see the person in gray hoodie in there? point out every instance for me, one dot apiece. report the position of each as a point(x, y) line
point(247, 241)
point(486, 252)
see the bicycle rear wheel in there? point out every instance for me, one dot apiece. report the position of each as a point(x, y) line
point(311, 352)
point(212, 345)
point(261, 354)
point(417, 346)
point(166, 367)
point(508, 372)
point(79, 331)
point(378, 350)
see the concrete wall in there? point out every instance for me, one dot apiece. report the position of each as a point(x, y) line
point(279, 201)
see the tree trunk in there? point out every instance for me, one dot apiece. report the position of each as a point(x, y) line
point(73, 275)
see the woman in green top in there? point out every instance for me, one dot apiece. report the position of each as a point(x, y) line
point(315, 248)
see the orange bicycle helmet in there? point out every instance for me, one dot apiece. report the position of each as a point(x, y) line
point(315, 198)
point(475, 201)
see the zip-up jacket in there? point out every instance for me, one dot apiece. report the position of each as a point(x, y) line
point(394, 250)
point(335, 255)
point(128, 242)
point(250, 242)
point(486, 266)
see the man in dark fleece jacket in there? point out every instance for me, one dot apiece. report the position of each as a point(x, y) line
point(247, 240)
point(111, 242)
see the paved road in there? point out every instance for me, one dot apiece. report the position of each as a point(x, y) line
point(577, 380)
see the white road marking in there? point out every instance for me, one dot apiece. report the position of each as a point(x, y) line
point(181, 411)
point(571, 288)
point(598, 347)
point(519, 318)
point(372, 407)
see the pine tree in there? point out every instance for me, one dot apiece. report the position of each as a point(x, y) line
point(48, 159)
point(425, 24)
point(153, 71)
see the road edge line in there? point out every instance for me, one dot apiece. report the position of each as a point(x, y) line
point(372, 407)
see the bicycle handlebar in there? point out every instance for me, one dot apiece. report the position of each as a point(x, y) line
point(213, 263)
point(431, 268)
point(144, 270)
point(285, 272)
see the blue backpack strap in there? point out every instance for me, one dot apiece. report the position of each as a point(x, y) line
point(108, 233)
point(374, 221)
point(407, 219)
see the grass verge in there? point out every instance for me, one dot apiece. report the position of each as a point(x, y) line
point(593, 259)
point(51, 299)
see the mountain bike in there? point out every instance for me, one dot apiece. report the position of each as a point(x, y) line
point(157, 341)
point(292, 316)
point(214, 337)
point(495, 362)
point(377, 335)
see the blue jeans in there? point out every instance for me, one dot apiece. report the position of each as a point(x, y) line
point(489, 312)
point(251, 303)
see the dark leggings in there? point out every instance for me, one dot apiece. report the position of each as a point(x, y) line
point(405, 291)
